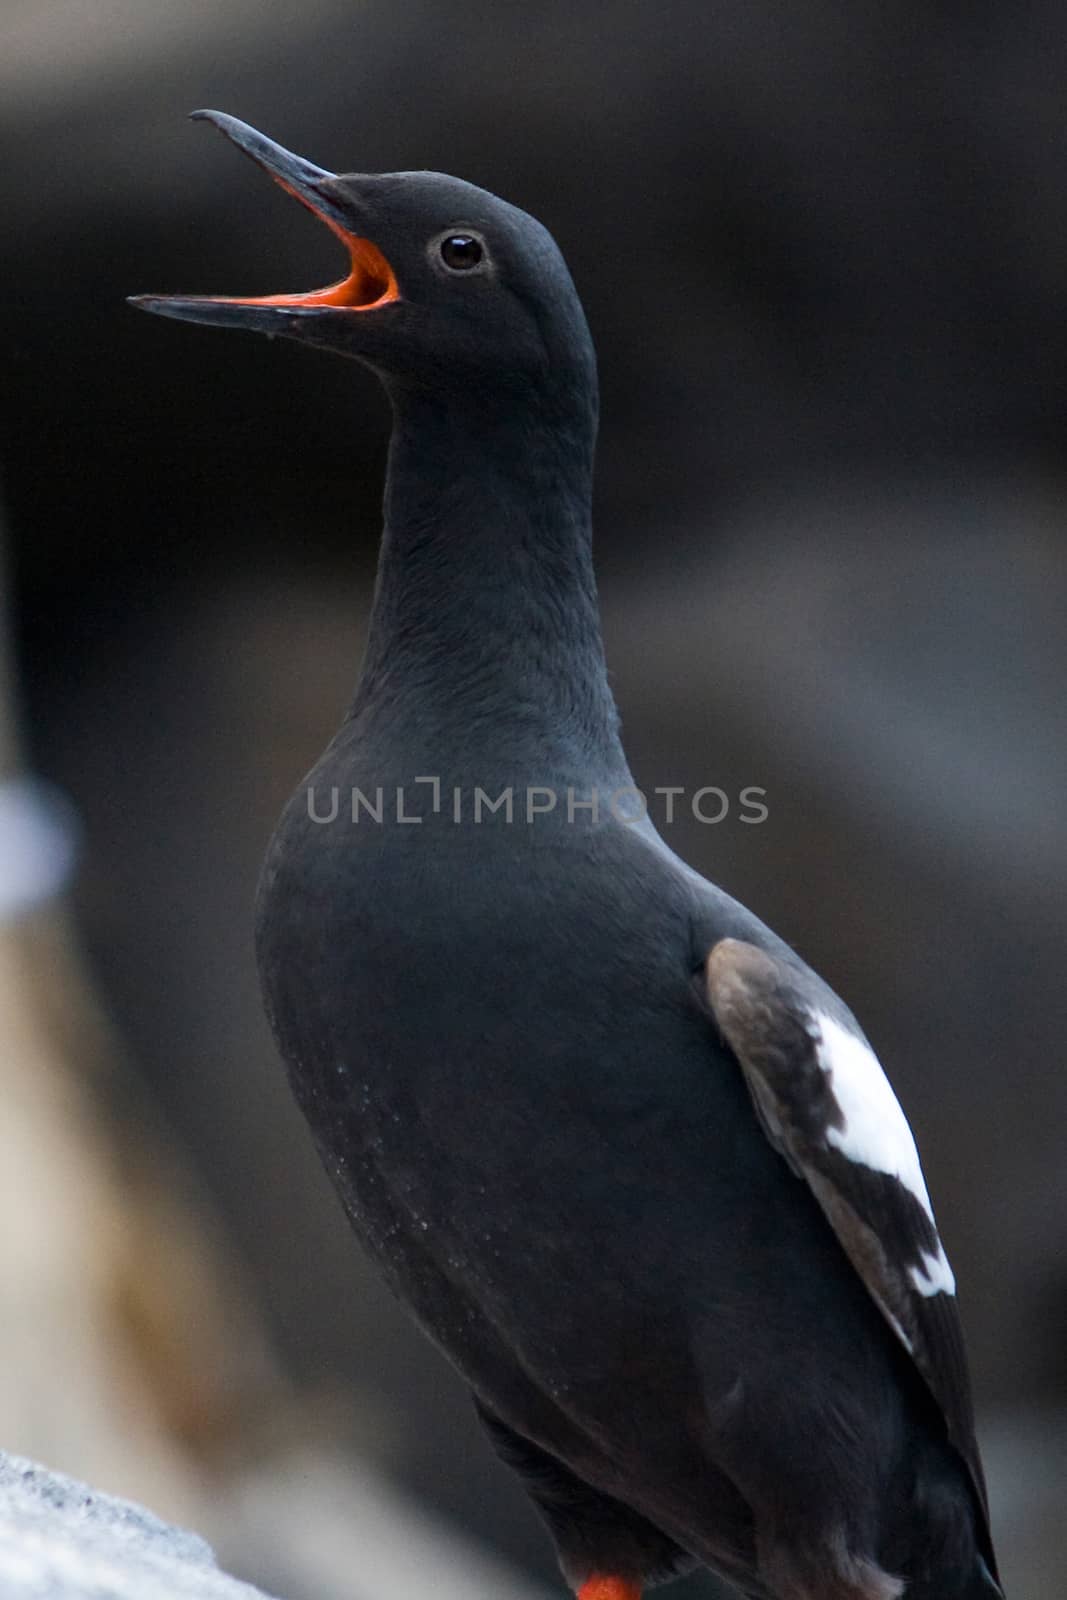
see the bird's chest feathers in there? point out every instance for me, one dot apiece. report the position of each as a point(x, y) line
point(436, 994)
point(401, 959)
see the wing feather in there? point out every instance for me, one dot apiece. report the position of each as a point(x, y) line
point(826, 1106)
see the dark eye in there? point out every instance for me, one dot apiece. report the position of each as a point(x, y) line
point(460, 252)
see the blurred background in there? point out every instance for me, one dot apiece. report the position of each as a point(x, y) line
point(823, 251)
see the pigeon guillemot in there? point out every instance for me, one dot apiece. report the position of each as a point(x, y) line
point(631, 1164)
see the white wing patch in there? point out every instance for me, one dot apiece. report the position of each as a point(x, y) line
point(876, 1131)
point(826, 1106)
point(935, 1276)
point(820, 1092)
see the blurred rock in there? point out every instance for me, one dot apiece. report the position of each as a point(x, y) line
point(60, 1540)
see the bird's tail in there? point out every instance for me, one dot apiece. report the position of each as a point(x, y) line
point(957, 1562)
point(978, 1585)
point(982, 1585)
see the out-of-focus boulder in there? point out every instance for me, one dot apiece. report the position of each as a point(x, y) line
point(59, 1540)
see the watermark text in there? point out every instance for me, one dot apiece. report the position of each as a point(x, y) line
point(524, 805)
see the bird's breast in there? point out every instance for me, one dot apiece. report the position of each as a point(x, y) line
point(530, 1123)
point(489, 1030)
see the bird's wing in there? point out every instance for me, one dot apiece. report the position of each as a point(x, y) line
point(827, 1107)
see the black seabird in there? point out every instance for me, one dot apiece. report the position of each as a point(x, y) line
point(633, 1166)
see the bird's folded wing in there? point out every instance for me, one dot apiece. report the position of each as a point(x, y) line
point(827, 1107)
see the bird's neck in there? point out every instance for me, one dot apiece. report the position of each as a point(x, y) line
point(485, 624)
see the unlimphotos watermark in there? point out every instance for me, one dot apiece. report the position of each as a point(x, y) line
point(524, 804)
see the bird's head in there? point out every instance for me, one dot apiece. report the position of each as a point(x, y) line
point(448, 286)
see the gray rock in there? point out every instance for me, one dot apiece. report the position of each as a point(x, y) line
point(60, 1540)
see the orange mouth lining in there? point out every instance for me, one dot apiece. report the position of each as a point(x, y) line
point(370, 283)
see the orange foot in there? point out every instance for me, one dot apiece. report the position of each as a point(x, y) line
point(602, 1587)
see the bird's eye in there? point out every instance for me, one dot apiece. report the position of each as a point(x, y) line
point(460, 252)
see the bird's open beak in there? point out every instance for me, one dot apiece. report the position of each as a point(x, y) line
point(370, 283)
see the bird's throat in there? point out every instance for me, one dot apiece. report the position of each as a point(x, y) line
point(485, 607)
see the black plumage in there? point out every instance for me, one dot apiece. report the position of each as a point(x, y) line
point(630, 1163)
